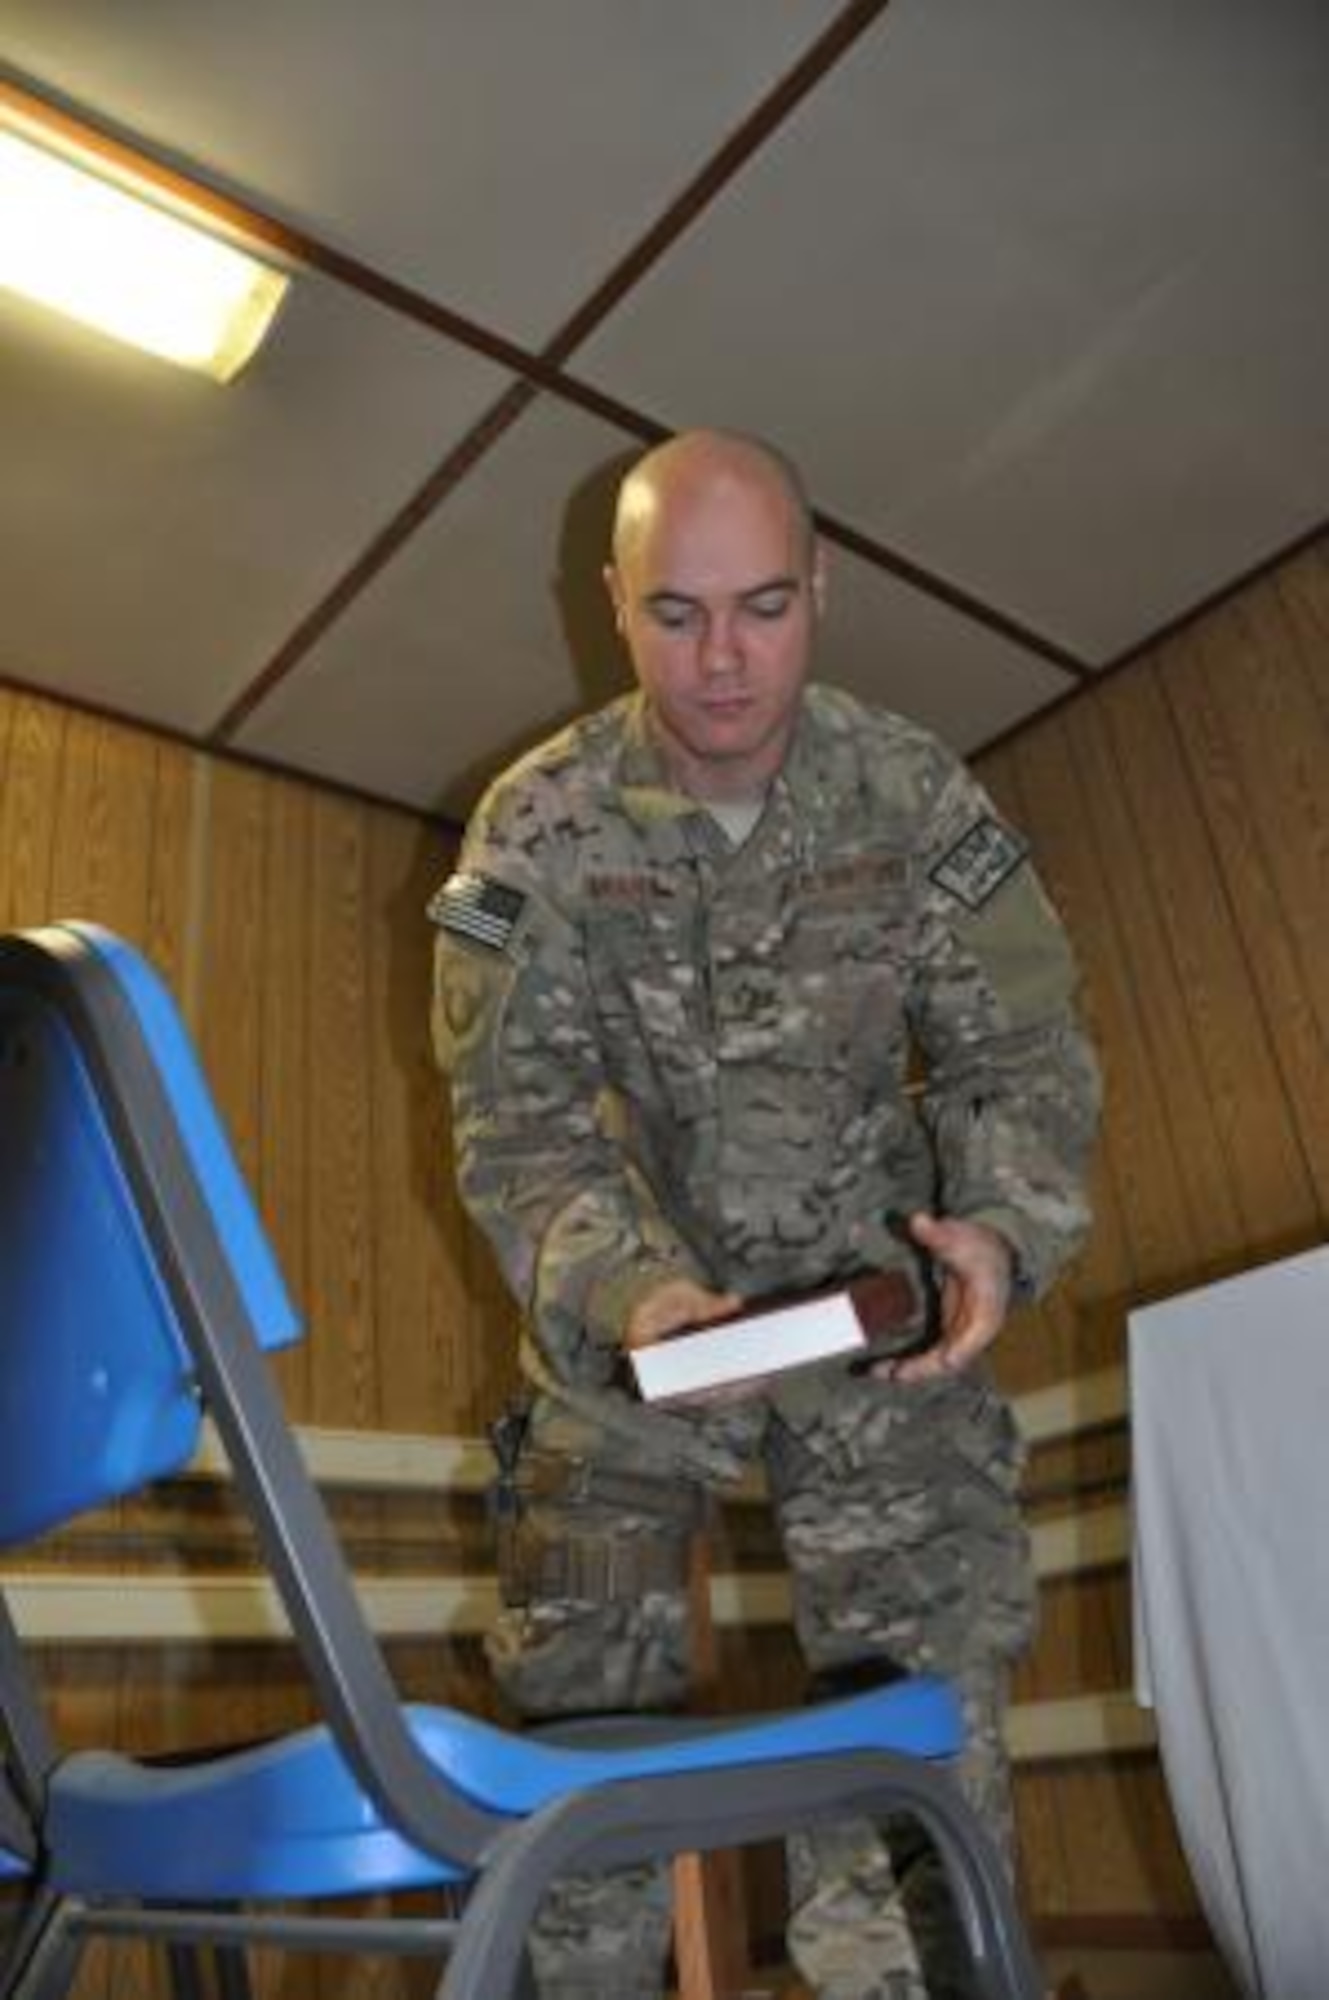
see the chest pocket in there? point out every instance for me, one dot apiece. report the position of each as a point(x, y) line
point(844, 978)
point(647, 979)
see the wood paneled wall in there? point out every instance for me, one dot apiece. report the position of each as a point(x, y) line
point(289, 922)
point(1181, 819)
point(1180, 816)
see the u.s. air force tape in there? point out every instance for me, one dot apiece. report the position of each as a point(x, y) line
point(979, 862)
point(479, 908)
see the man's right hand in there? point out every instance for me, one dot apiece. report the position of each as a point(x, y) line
point(673, 1305)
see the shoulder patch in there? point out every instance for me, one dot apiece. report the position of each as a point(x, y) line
point(479, 908)
point(980, 861)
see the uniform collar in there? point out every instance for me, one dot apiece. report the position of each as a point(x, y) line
point(646, 791)
point(650, 797)
point(804, 773)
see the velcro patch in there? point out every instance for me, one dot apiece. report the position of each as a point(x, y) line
point(980, 861)
point(480, 909)
point(856, 877)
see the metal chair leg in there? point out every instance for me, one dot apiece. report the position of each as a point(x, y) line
point(46, 1954)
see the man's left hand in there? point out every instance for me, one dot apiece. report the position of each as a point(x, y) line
point(976, 1268)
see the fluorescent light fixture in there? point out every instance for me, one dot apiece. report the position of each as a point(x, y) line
point(142, 273)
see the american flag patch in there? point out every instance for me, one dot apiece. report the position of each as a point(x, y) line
point(979, 863)
point(479, 908)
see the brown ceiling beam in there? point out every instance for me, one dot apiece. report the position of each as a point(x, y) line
point(498, 419)
point(476, 443)
point(1183, 621)
point(535, 370)
point(1286, 552)
point(100, 143)
point(377, 554)
point(976, 609)
point(746, 139)
point(248, 760)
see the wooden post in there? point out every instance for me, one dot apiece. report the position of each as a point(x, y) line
point(710, 1916)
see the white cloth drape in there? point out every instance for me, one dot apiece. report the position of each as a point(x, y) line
point(1230, 1442)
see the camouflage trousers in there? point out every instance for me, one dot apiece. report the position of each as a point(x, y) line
point(898, 1512)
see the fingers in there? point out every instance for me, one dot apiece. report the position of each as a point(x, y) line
point(949, 1356)
point(673, 1305)
point(975, 1265)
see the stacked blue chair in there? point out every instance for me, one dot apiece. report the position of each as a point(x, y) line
point(137, 1293)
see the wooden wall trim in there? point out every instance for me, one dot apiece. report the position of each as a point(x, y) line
point(375, 1461)
point(1067, 1409)
point(82, 1607)
point(416, 1461)
point(68, 1608)
point(1076, 1544)
point(1111, 1724)
point(74, 1608)
point(95, 1607)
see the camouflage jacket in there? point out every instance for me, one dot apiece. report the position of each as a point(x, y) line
point(672, 1056)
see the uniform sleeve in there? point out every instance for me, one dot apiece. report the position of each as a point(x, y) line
point(1012, 1091)
point(573, 1225)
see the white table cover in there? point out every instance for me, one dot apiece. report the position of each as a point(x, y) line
point(1230, 1441)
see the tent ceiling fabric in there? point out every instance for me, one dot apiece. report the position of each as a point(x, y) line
point(1034, 289)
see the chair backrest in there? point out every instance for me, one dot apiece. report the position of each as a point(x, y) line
point(137, 1292)
point(97, 1386)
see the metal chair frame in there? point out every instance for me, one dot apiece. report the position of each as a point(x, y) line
point(92, 1002)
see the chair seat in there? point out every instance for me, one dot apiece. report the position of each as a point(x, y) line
point(287, 1818)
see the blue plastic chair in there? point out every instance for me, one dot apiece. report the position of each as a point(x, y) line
point(138, 1291)
point(18, 1838)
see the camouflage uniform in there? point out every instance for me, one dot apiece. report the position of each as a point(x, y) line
point(673, 1057)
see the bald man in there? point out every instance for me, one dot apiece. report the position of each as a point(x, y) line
point(698, 948)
